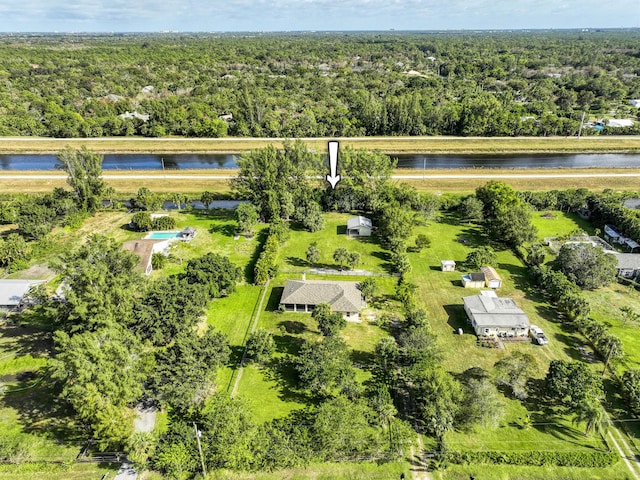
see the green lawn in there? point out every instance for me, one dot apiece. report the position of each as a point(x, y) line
point(509, 472)
point(325, 471)
point(48, 471)
point(442, 293)
point(331, 237)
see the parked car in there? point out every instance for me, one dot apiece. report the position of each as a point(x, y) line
point(538, 335)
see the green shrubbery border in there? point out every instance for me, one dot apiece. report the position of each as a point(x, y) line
point(589, 459)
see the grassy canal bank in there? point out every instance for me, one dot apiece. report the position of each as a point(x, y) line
point(194, 182)
point(432, 145)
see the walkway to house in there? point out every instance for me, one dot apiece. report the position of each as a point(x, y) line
point(144, 422)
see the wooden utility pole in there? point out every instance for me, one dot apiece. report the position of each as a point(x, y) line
point(204, 469)
point(581, 124)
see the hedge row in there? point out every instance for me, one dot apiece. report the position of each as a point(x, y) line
point(590, 459)
point(609, 210)
point(267, 266)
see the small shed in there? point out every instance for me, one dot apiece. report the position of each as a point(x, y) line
point(448, 265)
point(187, 234)
point(491, 277)
point(359, 226)
point(473, 280)
point(611, 234)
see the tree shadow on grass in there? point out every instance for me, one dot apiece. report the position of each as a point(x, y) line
point(274, 299)
point(283, 373)
point(297, 262)
point(226, 229)
point(261, 238)
point(457, 318)
point(292, 326)
point(521, 279)
point(288, 344)
point(574, 348)
point(219, 214)
point(386, 258)
point(20, 340)
point(361, 359)
point(537, 402)
point(236, 355)
point(41, 412)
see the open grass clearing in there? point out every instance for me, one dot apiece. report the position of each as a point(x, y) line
point(441, 293)
point(325, 471)
point(57, 471)
point(510, 472)
point(330, 238)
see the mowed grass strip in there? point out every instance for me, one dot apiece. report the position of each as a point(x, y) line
point(57, 471)
point(618, 471)
point(324, 471)
point(394, 144)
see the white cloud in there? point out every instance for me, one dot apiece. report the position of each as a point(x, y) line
point(96, 15)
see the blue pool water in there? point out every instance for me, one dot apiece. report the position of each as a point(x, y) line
point(162, 235)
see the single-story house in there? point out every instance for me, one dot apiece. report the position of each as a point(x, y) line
point(359, 227)
point(628, 264)
point(12, 293)
point(495, 316)
point(304, 295)
point(620, 122)
point(448, 265)
point(491, 277)
point(473, 280)
point(145, 248)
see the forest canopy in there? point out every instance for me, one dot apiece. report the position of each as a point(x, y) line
point(325, 84)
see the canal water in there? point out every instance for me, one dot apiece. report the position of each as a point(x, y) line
point(410, 161)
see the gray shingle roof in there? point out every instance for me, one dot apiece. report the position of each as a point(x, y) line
point(627, 260)
point(490, 311)
point(342, 296)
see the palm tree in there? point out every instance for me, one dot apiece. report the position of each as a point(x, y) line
point(613, 348)
point(591, 412)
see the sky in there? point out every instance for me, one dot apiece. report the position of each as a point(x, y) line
point(299, 15)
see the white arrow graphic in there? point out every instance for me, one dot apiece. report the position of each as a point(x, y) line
point(333, 178)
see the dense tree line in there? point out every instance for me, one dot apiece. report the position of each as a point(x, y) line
point(118, 337)
point(316, 85)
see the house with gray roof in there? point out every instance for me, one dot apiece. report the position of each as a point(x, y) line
point(493, 316)
point(628, 264)
point(12, 293)
point(359, 226)
point(303, 296)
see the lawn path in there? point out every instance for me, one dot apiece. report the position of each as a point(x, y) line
point(265, 289)
point(418, 463)
point(625, 451)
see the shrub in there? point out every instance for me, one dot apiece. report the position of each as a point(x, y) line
point(163, 223)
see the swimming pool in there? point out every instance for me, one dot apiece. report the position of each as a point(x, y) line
point(162, 235)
